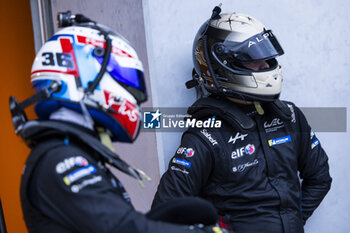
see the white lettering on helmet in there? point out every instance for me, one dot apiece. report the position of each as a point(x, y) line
point(258, 40)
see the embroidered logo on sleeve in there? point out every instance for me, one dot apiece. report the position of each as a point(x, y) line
point(181, 162)
point(314, 144)
point(209, 137)
point(69, 163)
point(178, 169)
point(77, 187)
point(189, 152)
point(291, 108)
point(78, 174)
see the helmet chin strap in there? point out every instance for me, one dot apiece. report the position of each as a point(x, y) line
point(105, 138)
point(259, 108)
point(257, 104)
point(106, 141)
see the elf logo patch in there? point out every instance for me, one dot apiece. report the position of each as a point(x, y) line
point(189, 152)
point(245, 150)
point(69, 163)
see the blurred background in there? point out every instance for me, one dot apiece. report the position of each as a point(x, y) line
point(314, 35)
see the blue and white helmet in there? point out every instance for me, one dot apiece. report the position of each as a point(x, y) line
point(73, 56)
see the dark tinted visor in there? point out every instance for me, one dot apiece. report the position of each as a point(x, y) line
point(262, 46)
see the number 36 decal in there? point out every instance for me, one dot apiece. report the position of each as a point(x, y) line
point(62, 60)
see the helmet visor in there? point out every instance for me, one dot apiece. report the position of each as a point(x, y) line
point(132, 79)
point(262, 46)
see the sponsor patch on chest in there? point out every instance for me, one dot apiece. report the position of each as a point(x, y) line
point(239, 136)
point(242, 167)
point(245, 150)
point(281, 140)
point(273, 125)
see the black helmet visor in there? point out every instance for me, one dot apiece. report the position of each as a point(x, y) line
point(262, 46)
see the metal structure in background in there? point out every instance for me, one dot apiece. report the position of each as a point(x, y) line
point(2, 220)
point(42, 21)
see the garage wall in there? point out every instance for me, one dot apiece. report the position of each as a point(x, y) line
point(126, 18)
point(315, 38)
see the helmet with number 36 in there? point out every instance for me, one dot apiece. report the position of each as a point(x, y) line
point(73, 57)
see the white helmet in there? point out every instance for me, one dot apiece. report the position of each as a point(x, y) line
point(74, 57)
point(221, 48)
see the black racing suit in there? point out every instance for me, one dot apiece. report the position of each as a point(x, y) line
point(66, 189)
point(269, 178)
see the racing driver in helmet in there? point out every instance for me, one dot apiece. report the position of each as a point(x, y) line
point(264, 170)
point(89, 85)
